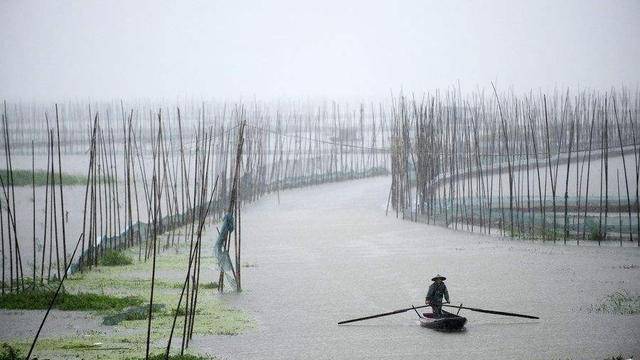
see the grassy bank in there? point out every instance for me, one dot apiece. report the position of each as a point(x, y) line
point(39, 300)
point(18, 352)
point(123, 334)
point(25, 178)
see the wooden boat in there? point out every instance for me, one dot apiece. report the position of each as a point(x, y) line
point(445, 322)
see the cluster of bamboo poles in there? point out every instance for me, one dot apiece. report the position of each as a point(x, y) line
point(51, 211)
point(491, 163)
point(282, 150)
point(179, 190)
point(481, 163)
point(8, 204)
point(202, 202)
point(158, 191)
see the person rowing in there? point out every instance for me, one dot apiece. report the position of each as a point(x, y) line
point(437, 290)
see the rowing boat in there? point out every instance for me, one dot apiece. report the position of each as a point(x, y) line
point(445, 322)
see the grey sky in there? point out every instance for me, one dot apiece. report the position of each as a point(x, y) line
point(55, 50)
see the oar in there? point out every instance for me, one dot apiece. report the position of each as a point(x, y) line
point(493, 312)
point(381, 315)
point(416, 310)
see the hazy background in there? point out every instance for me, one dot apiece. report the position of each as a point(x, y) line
point(55, 50)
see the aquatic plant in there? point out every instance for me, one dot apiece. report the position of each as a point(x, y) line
point(619, 357)
point(596, 233)
point(40, 298)
point(620, 303)
point(8, 352)
point(208, 285)
point(27, 177)
point(96, 302)
point(161, 356)
point(132, 313)
point(115, 258)
point(39, 178)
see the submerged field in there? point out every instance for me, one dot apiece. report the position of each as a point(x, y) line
point(119, 332)
point(328, 253)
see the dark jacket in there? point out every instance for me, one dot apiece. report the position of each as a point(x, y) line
point(436, 292)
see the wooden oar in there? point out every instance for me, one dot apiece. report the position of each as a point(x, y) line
point(416, 310)
point(492, 312)
point(381, 315)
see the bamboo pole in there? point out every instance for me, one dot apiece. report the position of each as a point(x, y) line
point(624, 166)
point(566, 189)
point(62, 211)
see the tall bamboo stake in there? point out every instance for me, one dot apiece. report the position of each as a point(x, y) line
point(62, 212)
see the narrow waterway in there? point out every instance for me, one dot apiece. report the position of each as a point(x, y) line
point(328, 253)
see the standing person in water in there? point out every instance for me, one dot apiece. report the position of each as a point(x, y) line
point(436, 291)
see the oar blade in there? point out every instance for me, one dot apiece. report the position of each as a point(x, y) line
point(507, 314)
point(494, 312)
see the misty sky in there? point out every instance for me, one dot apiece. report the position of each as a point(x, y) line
point(57, 50)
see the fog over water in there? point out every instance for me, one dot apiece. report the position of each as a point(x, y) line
point(313, 253)
point(59, 50)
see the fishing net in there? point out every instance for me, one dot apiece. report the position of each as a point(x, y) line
point(221, 254)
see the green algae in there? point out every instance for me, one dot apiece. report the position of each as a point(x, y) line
point(126, 339)
point(40, 299)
